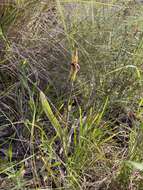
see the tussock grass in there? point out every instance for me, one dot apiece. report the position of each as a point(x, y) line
point(71, 95)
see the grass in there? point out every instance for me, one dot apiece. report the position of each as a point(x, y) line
point(71, 95)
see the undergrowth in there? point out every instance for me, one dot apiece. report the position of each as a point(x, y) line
point(71, 95)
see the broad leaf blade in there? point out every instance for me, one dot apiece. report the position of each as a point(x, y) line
point(49, 113)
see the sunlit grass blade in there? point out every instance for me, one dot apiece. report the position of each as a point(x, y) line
point(49, 113)
point(136, 165)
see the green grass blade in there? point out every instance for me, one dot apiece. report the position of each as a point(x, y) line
point(136, 165)
point(49, 113)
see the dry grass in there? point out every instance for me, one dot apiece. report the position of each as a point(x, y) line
point(78, 134)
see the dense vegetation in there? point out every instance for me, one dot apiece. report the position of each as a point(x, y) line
point(71, 99)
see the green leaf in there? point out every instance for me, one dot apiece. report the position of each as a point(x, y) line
point(10, 152)
point(49, 113)
point(1, 33)
point(136, 165)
